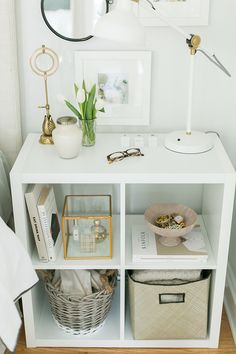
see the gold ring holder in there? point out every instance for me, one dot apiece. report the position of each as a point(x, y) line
point(48, 123)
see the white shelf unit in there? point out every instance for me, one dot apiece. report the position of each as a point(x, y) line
point(205, 182)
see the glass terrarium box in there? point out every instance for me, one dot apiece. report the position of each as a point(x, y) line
point(87, 226)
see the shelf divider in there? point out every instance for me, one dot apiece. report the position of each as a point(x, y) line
point(122, 257)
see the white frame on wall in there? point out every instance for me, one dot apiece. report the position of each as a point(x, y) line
point(183, 13)
point(135, 66)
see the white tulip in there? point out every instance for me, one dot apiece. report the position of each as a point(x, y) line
point(89, 84)
point(99, 104)
point(81, 96)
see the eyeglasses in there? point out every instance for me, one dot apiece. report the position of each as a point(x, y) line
point(120, 155)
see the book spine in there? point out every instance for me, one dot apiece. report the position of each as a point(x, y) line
point(46, 232)
point(36, 227)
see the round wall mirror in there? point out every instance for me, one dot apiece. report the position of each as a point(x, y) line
point(73, 20)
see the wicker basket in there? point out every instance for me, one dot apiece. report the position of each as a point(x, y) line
point(79, 316)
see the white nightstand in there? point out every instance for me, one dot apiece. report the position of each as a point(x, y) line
point(205, 182)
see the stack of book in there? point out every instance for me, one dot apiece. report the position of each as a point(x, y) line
point(42, 208)
point(146, 246)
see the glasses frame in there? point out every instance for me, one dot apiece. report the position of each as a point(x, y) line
point(125, 154)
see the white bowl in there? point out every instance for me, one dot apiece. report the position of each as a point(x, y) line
point(170, 237)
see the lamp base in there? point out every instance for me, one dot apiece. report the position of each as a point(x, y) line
point(194, 143)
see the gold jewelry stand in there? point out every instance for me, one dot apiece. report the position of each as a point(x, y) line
point(48, 123)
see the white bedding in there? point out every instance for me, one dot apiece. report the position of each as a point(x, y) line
point(16, 272)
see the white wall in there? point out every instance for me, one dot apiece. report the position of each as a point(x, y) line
point(214, 103)
point(10, 132)
point(215, 94)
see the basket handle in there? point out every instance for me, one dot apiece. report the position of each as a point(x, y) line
point(171, 298)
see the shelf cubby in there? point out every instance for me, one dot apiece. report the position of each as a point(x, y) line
point(49, 334)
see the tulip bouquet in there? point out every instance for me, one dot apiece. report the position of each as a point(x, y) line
point(88, 106)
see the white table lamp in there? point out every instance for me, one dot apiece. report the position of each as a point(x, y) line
point(122, 25)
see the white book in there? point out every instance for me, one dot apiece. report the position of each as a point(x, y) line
point(49, 219)
point(147, 247)
point(31, 197)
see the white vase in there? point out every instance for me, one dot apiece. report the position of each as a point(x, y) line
point(67, 137)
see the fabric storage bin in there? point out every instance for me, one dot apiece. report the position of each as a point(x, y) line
point(169, 311)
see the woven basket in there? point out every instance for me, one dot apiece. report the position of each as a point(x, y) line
point(79, 316)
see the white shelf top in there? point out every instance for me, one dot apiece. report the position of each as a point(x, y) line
point(38, 163)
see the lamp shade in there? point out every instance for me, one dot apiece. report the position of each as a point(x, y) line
point(120, 25)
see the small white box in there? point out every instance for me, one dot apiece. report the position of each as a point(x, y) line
point(139, 141)
point(152, 140)
point(125, 141)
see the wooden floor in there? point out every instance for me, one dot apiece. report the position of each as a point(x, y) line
point(226, 347)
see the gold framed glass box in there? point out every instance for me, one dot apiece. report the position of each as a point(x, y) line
point(87, 226)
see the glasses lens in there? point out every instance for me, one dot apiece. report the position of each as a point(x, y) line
point(133, 152)
point(116, 156)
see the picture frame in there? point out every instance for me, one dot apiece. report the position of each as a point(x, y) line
point(123, 81)
point(182, 12)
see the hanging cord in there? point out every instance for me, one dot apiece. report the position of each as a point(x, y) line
point(213, 132)
point(151, 4)
point(215, 61)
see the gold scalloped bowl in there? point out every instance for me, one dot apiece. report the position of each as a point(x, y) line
point(170, 237)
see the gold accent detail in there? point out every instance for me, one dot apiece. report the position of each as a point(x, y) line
point(46, 140)
point(65, 226)
point(47, 128)
point(48, 124)
point(194, 44)
point(188, 133)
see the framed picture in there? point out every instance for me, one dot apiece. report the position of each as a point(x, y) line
point(183, 12)
point(123, 81)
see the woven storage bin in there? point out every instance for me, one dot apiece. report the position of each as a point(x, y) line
point(153, 318)
point(79, 316)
